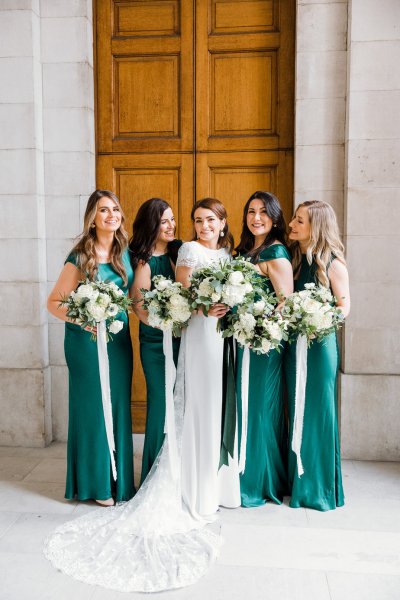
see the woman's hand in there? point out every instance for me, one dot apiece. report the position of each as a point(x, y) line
point(218, 310)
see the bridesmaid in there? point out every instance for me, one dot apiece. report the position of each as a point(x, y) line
point(101, 252)
point(263, 240)
point(153, 250)
point(317, 258)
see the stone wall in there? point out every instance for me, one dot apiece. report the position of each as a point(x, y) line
point(46, 173)
point(370, 383)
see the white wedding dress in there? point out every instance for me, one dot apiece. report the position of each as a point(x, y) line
point(153, 542)
point(204, 487)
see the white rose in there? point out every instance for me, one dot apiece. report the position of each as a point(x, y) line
point(316, 320)
point(96, 311)
point(311, 306)
point(103, 299)
point(205, 289)
point(326, 321)
point(273, 329)
point(236, 278)
point(241, 338)
point(266, 345)
point(179, 316)
point(162, 285)
point(232, 294)
point(154, 306)
point(259, 307)
point(86, 291)
point(154, 320)
point(177, 300)
point(116, 326)
point(303, 294)
point(112, 310)
point(215, 297)
point(248, 287)
point(247, 322)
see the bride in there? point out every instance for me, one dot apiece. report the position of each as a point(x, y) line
point(156, 541)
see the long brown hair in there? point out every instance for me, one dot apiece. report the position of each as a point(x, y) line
point(84, 248)
point(219, 211)
point(324, 241)
point(277, 233)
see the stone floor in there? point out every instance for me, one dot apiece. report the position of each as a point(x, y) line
point(270, 553)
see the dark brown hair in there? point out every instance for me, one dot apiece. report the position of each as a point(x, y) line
point(219, 211)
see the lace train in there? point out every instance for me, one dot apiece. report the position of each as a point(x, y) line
point(148, 544)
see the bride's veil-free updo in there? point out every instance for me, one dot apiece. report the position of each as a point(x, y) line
point(220, 211)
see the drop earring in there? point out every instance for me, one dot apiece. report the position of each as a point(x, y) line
point(221, 233)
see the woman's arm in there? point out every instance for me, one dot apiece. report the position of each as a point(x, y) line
point(142, 280)
point(183, 275)
point(280, 273)
point(339, 280)
point(66, 283)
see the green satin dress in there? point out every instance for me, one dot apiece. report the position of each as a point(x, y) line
point(265, 477)
point(153, 363)
point(320, 486)
point(89, 473)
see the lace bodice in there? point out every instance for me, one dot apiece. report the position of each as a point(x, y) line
point(196, 256)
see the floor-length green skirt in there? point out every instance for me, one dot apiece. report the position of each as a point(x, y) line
point(320, 486)
point(88, 460)
point(264, 478)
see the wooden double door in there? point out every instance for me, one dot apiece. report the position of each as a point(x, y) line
point(194, 98)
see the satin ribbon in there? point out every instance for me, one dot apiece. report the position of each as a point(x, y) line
point(228, 418)
point(300, 399)
point(169, 425)
point(245, 407)
point(104, 369)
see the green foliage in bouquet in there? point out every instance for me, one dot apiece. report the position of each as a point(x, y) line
point(168, 305)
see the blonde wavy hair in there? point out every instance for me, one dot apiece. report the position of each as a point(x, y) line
point(324, 239)
point(84, 248)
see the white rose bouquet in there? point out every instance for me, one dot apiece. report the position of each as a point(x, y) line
point(168, 305)
point(96, 301)
point(312, 313)
point(256, 326)
point(227, 282)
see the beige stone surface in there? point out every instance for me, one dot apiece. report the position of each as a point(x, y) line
point(374, 65)
point(23, 304)
point(321, 74)
point(59, 402)
point(370, 406)
point(62, 210)
point(372, 211)
point(372, 21)
point(319, 168)
point(323, 27)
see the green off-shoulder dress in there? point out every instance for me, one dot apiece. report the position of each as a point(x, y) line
point(153, 363)
point(320, 486)
point(89, 473)
point(265, 477)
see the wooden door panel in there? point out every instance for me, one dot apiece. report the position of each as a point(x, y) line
point(135, 178)
point(145, 63)
point(232, 177)
point(244, 81)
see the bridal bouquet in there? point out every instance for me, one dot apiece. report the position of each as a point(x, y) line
point(96, 301)
point(254, 325)
point(312, 313)
point(227, 282)
point(168, 305)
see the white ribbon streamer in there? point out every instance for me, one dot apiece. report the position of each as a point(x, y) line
point(169, 426)
point(104, 369)
point(245, 407)
point(300, 399)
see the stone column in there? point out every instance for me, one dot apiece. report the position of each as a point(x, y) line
point(24, 361)
point(320, 102)
point(69, 154)
point(370, 385)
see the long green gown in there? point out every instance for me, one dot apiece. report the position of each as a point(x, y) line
point(264, 478)
point(320, 487)
point(153, 363)
point(89, 473)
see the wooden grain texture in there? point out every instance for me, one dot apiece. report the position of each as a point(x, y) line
point(193, 98)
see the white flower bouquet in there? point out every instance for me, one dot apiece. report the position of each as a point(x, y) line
point(96, 301)
point(168, 305)
point(227, 282)
point(312, 313)
point(256, 326)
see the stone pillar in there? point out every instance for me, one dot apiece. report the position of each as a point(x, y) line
point(320, 102)
point(69, 154)
point(370, 384)
point(24, 362)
